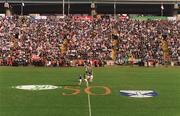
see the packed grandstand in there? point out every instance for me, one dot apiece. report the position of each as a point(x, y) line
point(73, 40)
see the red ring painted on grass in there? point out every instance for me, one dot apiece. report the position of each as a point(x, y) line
point(75, 91)
point(88, 90)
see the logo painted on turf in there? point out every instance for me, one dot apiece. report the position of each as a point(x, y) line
point(68, 90)
point(36, 87)
point(138, 93)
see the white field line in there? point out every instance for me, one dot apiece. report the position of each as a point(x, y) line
point(89, 101)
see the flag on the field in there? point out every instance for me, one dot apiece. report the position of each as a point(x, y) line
point(165, 49)
point(114, 44)
point(113, 54)
point(64, 45)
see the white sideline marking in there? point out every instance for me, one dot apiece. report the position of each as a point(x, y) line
point(89, 101)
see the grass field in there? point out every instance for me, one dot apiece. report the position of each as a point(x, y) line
point(76, 102)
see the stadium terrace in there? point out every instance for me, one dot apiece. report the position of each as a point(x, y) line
point(59, 33)
point(73, 41)
point(89, 58)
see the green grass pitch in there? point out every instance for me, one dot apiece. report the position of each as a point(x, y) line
point(14, 102)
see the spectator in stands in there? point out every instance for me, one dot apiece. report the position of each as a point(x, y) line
point(22, 39)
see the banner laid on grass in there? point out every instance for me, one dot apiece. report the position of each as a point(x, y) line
point(36, 87)
point(138, 93)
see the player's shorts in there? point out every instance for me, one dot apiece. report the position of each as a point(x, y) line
point(90, 78)
point(86, 80)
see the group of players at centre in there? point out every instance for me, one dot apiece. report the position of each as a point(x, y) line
point(87, 77)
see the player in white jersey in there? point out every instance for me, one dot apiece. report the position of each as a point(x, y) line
point(89, 74)
point(80, 79)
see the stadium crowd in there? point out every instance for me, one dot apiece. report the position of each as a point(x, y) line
point(55, 41)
